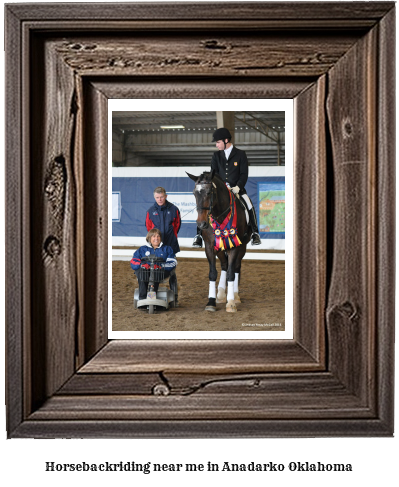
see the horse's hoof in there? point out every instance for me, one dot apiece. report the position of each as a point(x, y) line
point(237, 298)
point(211, 305)
point(221, 297)
point(231, 307)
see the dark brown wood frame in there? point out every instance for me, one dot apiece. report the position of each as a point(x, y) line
point(63, 62)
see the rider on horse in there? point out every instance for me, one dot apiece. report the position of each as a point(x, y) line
point(231, 164)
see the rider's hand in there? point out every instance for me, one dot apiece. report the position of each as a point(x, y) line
point(146, 266)
point(236, 189)
point(157, 266)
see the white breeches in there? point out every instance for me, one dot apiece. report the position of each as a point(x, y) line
point(247, 200)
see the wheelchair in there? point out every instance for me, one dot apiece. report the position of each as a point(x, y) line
point(163, 298)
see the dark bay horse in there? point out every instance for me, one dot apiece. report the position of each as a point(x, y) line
point(214, 200)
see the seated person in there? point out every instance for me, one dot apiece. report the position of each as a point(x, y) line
point(154, 246)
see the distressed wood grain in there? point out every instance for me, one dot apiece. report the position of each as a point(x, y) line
point(351, 108)
point(185, 384)
point(17, 240)
point(361, 14)
point(95, 202)
point(200, 356)
point(385, 224)
point(175, 87)
point(53, 210)
point(208, 407)
point(310, 242)
point(241, 54)
point(191, 428)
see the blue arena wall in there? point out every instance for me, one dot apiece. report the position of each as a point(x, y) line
point(136, 187)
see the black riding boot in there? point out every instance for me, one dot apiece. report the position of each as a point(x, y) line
point(198, 239)
point(255, 237)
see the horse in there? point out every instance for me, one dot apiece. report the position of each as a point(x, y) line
point(215, 204)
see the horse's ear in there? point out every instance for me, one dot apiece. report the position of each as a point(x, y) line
point(194, 178)
point(212, 174)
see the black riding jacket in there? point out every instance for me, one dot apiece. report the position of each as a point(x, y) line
point(234, 170)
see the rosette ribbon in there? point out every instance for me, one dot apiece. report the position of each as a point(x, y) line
point(226, 232)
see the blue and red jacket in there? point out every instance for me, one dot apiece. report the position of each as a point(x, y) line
point(167, 219)
point(163, 251)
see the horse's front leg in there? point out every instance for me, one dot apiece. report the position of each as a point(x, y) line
point(221, 296)
point(213, 274)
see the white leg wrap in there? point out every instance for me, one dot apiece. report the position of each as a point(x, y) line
point(236, 282)
point(230, 291)
point(247, 200)
point(222, 280)
point(212, 289)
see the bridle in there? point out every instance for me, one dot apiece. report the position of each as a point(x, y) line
point(210, 207)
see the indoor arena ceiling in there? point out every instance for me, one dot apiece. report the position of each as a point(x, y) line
point(260, 134)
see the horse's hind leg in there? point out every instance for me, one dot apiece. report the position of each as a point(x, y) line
point(237, 272)
point(236, 295)
point(221, 296)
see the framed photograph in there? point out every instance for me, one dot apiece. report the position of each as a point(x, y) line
point(147, 152)
point(334, 377)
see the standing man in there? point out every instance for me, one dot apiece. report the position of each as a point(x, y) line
point(232, 166)
point(166, 217)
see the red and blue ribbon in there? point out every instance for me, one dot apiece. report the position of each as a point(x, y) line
point(226, 232)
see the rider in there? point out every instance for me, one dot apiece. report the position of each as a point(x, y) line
point(232, 166)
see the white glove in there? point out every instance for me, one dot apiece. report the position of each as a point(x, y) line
point(236, 189)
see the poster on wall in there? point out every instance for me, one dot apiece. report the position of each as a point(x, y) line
point(271, 208)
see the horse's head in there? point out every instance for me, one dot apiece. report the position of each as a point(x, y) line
point(205, 197)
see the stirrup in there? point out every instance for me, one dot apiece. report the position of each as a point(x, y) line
point(255, 239)
point(197, 241)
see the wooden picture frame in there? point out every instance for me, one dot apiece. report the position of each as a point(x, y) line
point(335, 378)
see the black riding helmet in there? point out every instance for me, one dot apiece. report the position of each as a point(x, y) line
point(221, 134)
